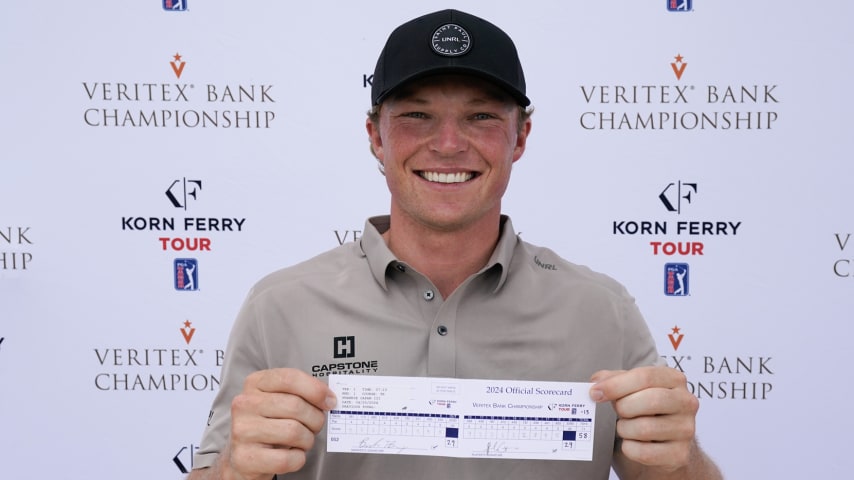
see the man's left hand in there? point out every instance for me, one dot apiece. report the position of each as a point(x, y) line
point(656, 414)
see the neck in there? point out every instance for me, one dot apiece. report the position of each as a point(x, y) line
point(446, 257)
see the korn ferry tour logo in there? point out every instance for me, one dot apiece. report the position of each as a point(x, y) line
point(712, 375)
point(172, 97)
point(189, 233)
point(682, 236)
point(677, 103)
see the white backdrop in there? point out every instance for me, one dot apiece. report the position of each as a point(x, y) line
point(107, 370)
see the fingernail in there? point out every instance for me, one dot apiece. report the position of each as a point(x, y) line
point(597, 395)
point(331, 401)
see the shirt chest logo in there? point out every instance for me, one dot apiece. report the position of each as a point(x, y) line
point(343, 349)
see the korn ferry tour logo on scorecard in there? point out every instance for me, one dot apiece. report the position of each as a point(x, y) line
point(172, 96)
point(673, 100)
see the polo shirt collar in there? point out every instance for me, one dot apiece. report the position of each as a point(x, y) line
point(380, 258)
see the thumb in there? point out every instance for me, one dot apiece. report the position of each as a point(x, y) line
point(597, 394)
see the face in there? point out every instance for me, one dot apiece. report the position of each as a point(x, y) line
point(447, 144)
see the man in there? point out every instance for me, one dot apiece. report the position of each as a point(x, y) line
point(442, 287)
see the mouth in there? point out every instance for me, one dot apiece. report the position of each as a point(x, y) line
point(437, 177)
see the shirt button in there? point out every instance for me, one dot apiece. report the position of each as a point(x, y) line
point(429, 295)
point(442, 330)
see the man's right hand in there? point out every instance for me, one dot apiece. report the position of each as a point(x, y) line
point(274, 421)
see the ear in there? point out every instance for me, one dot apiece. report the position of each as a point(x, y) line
point(522, 139)
point(375, 139)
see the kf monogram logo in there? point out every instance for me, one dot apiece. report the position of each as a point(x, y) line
point(188, 188)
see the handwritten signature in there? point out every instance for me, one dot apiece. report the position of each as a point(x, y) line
point(381, 444)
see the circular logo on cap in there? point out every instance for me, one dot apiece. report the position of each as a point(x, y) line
point(451, 40)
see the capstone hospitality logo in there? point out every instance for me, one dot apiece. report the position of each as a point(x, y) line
point(675, 197)
point(171, 367)
point(344, 347)
point(181, 194)
point(676, 280)
point(657, 104)
point(843, 267)
point(722, 377)
point(16, 248)
point(680, 5)
point(175, 5)
point(186, 274)
point(163, 103)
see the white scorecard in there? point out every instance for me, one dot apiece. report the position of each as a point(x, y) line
point(454, 417)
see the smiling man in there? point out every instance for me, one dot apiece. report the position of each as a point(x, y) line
point(443, 287)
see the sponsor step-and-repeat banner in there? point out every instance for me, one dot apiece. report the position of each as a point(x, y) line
point(161, 156)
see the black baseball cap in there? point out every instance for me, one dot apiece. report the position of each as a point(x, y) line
point(448, 41)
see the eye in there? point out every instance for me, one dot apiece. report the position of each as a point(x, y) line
point(414, 115)
point(483, 116)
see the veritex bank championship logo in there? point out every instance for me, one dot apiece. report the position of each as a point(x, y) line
point(175, 365)
point(168, 101)
point(720, 377)
point(844, 267)
point(16, 248)
point(671, 103)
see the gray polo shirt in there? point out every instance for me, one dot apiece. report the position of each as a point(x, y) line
point(527, 315)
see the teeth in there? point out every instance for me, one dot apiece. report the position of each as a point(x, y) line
point(458, 177)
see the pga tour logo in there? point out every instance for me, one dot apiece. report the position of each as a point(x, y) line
point(676, 280)
point(186, 274)
point(680, 5)
point(175, 5)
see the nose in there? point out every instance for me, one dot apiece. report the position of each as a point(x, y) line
point(448, 138)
